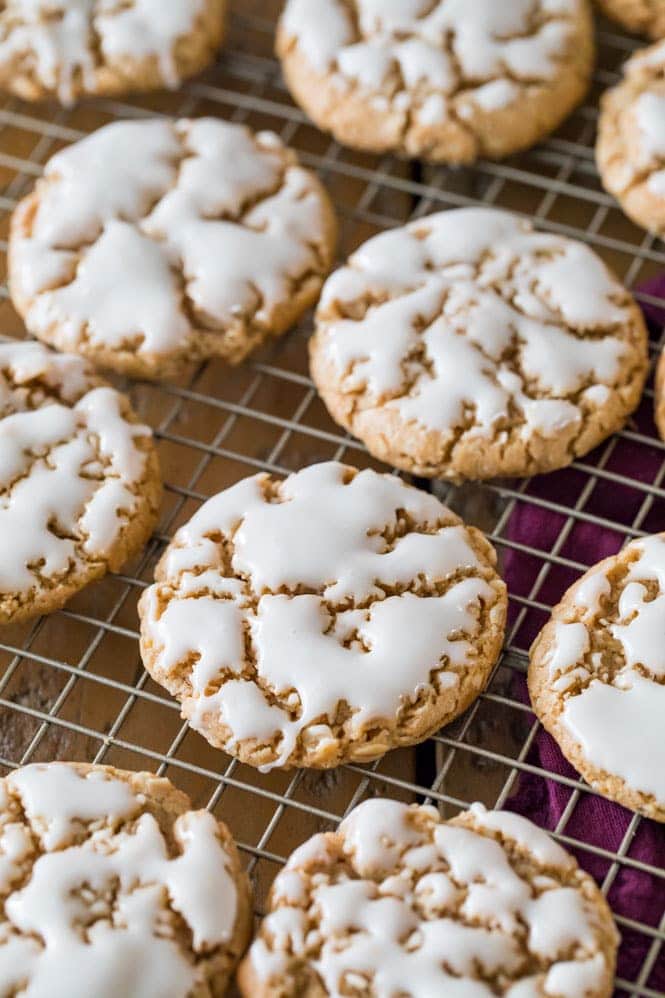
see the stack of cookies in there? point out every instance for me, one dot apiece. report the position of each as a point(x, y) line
point(336, 614)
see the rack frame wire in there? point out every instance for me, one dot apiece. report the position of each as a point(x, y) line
point(72, 684)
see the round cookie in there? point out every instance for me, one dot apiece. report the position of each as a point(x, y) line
point(324, 618)
point(151, 244)
point(397, 901)
point(111, 885)
point(466, 345)
point(80, 485)
point(630, 150)
point(597, 676)
point(644, 17)
point(444, 80)
point(73, 48)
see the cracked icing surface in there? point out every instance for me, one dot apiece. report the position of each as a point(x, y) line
point(79, 479)
point(68, 48)
point(110, 885)
point(631, 139)
point(398, 902)
point(327, 617)
point(440, 79)
point(597, 676)
point(466, 345)
point(644, 16)
point(216, 235)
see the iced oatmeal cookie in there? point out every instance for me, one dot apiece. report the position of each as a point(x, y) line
point(79, 479)
point(111, 885)
point(324, 618)
point(151, 244)
point(446, 80)
point(74, 48)
point(398, 902)
point(597, 676)
point(631, 139)
point(467, 345)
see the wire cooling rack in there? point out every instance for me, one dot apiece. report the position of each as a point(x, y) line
point(72, 685)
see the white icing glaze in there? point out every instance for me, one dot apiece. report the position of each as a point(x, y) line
point(400, 48)
point(320, 621)
point(650, 112)
point(533, 839)
point(657, 183)
point(67, 472)
point(388, 928)
point(640, 629)
point(433, 110)
point(618, 722)
point(146, 28)
point(569, 646)
point(59, 800)
point(90, 305)
point(645, 58)
point(574, 978)
point(163, 208)
point(57, 36)
point(621, 730)
point(650, 115)
point(642, 119)
point(495, 95)
point(376, 833)
point(442, 273)
point(128, 945)
point(590, 591)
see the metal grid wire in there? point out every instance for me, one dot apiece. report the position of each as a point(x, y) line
point(72, 685)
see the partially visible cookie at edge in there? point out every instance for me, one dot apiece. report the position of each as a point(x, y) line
point(659, 395)
point(113, 885)
point(466, 345)
point(324, 618)
point(153, 244)
point(644, 17)
point(444, 80)
point(597, 676)
point(397, 901)
point(80, 484)
point(74, 48)
point(630, 149)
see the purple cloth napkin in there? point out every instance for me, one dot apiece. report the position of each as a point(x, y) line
point(634, 894)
